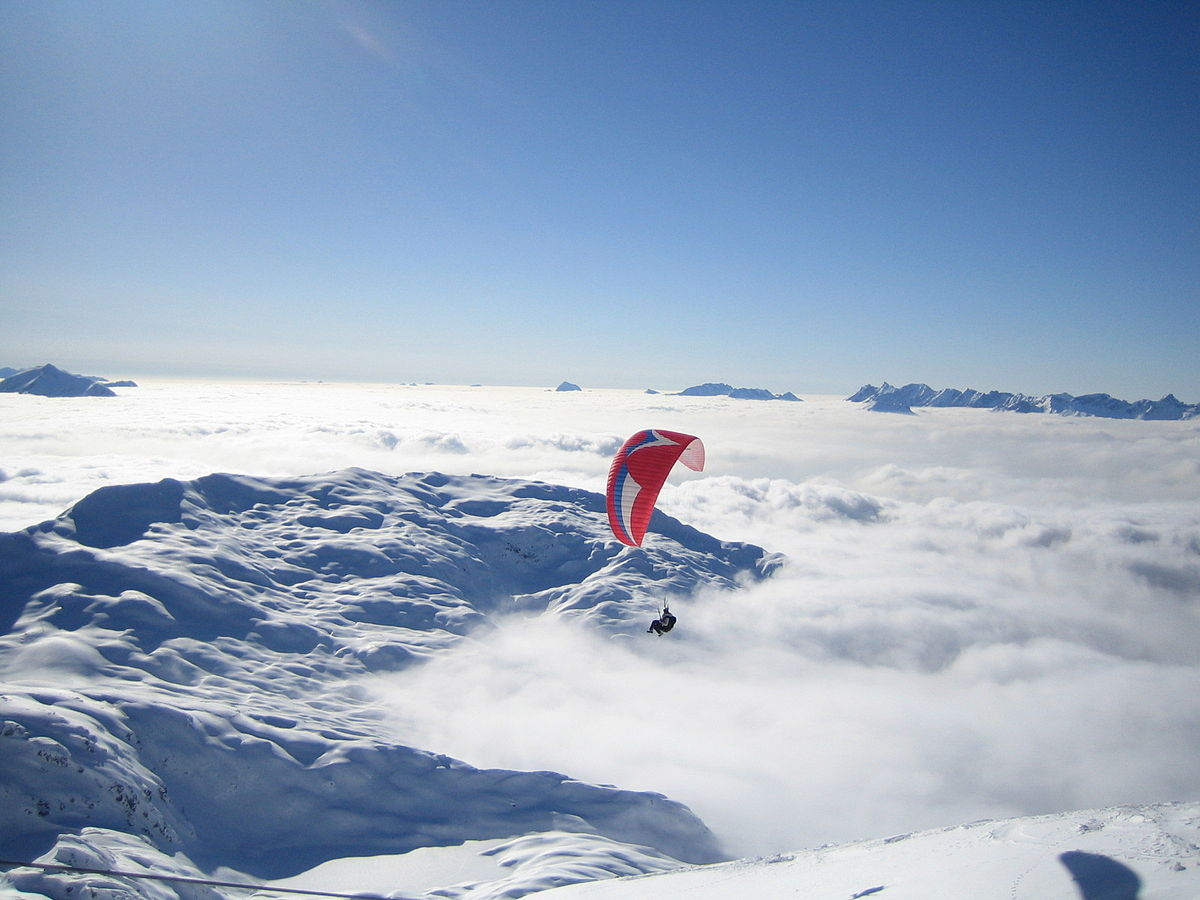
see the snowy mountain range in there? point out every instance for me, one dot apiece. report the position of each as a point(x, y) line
point(182, 667)
point(888, 398)
point(51, 381)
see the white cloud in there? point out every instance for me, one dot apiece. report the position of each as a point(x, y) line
point(781, 739)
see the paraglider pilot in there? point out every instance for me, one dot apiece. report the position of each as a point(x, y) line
point(663, 623)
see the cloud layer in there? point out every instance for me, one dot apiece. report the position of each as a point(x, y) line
point(983, 614)
point(915, 665)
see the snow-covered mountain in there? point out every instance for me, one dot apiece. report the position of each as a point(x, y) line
point(888, 398)
point(183, 667)
point(51, 381)
point(720, 389)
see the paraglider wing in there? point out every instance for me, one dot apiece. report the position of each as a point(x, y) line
point(637, 475)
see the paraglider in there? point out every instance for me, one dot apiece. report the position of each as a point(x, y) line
point(634, 480)
point(663, 623)
point(637, 475)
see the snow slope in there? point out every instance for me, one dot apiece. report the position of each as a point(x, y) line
point(183, 667)
point(1127, 853)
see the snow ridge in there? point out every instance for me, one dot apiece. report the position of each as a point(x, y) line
point(889, 398)
point(182, 666)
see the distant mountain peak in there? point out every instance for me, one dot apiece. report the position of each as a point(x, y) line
point(50, 381)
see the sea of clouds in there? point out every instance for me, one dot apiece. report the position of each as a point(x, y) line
point(984, 614)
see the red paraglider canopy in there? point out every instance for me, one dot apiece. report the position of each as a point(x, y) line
point(637, 475)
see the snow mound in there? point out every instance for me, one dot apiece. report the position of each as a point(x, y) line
point(183, 665)
point(49, 381)
point(1123, 853)
point(542, 861)
point(716, 389)
point(889, 398)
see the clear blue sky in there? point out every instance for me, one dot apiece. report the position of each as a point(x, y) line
point(797, 195)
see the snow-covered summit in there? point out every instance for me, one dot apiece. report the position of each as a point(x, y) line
point(51, 381)
point(183, 665)
point(888, 398)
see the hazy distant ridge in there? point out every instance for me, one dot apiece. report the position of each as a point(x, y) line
point(720, 389)
point(893, 399)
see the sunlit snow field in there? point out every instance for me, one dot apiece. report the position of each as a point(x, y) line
point(984, 614)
